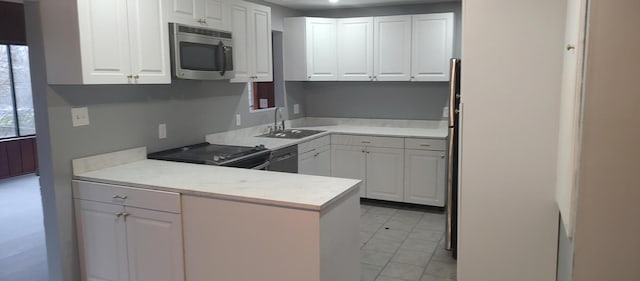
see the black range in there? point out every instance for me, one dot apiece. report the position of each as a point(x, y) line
point(219, 155)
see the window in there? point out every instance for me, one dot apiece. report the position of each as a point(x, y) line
point(16, 100)
point(261, 95)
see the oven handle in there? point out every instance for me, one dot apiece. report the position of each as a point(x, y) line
point(261, 166)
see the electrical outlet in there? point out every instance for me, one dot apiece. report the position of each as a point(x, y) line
point(296, 109)
point(238, 120)
point(80, 116)
point(162, 131)
point(445, 112)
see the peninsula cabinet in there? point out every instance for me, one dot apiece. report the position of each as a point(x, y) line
point(105, 42)
point(252, 49)
point(128, 233)
point(204, 13)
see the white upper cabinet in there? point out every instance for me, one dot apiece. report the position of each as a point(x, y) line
point(355, 49)
point(106, 42)
point(310, 49)
point(252, 49)
point(392, 48)
point(322, 64)
point(205, 13)
point(432, 47)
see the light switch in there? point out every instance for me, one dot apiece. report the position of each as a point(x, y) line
point(445, 112)
point(80, 116)
point(162, 131)
point(238, 120)
point(296, 109)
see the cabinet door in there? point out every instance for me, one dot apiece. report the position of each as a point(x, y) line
point(215, 14)
point(424, 177)
point(317, 162)
point(432, 47)
point(149, 46)
point(102, 241)
point(241, 40)
point(392, 48)
point(385, 173)
point(104, 41)
point(261, 57)
point(322, 62)
point(306, 163)
point(154, 243)
point(355, 49)
point(323, 162)
point(182, 11)
point(349, 162)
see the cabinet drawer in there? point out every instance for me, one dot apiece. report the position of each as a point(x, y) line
point(127, 196)
point(313, 144)
point(368, 141)
point(425, 144)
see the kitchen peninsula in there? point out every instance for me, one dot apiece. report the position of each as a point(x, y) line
point(179, 221)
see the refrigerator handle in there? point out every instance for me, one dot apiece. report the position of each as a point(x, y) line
point(453, 85)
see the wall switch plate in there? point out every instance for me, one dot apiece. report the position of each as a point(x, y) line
point(162, 131)
point(445, 112)
point(80, 116)
point(296, 109)
point(238, 120)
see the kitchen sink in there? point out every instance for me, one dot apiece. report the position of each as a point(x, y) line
point(291, 134)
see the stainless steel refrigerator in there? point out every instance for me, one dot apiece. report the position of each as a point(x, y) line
point(452, 168)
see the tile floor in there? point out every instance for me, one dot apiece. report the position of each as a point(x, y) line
point(400, 243)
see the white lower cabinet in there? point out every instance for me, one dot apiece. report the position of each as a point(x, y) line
point(314, 157)
point(349, 162)
point(121, 242)
point(385, 173)
point(424, 177)
point(410, 170)
point(317, 162)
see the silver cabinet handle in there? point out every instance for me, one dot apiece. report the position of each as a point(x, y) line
point(125, 214)
point(118, 214)
point(136, 76)
point(424, 144)
point(570, 47)
point(316, 155)
point(442, 156)
point(117, 196)
point(365, 141)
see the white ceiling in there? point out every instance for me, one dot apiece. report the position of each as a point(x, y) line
point(324, 4)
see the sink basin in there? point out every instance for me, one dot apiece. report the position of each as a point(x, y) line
point(291, 134)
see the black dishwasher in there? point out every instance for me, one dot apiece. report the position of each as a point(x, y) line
point(284, 160)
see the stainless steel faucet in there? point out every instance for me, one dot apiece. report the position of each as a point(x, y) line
point(275, 119)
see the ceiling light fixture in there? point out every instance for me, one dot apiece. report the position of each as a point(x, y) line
point(333, 1)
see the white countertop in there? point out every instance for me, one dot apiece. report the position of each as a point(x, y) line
point(273, 188)
point(248, 137)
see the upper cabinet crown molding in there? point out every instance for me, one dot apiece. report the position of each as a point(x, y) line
point(252, 42)
point(204, 13)
point(390, 48)
point(105, 42)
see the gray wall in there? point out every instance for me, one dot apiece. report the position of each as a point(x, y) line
point(387, 100)
point(122, 117)
point(392, 100)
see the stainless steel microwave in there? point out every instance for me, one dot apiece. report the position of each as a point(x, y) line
point(200, 53)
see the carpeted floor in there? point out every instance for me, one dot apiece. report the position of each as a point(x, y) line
point(23, 254)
